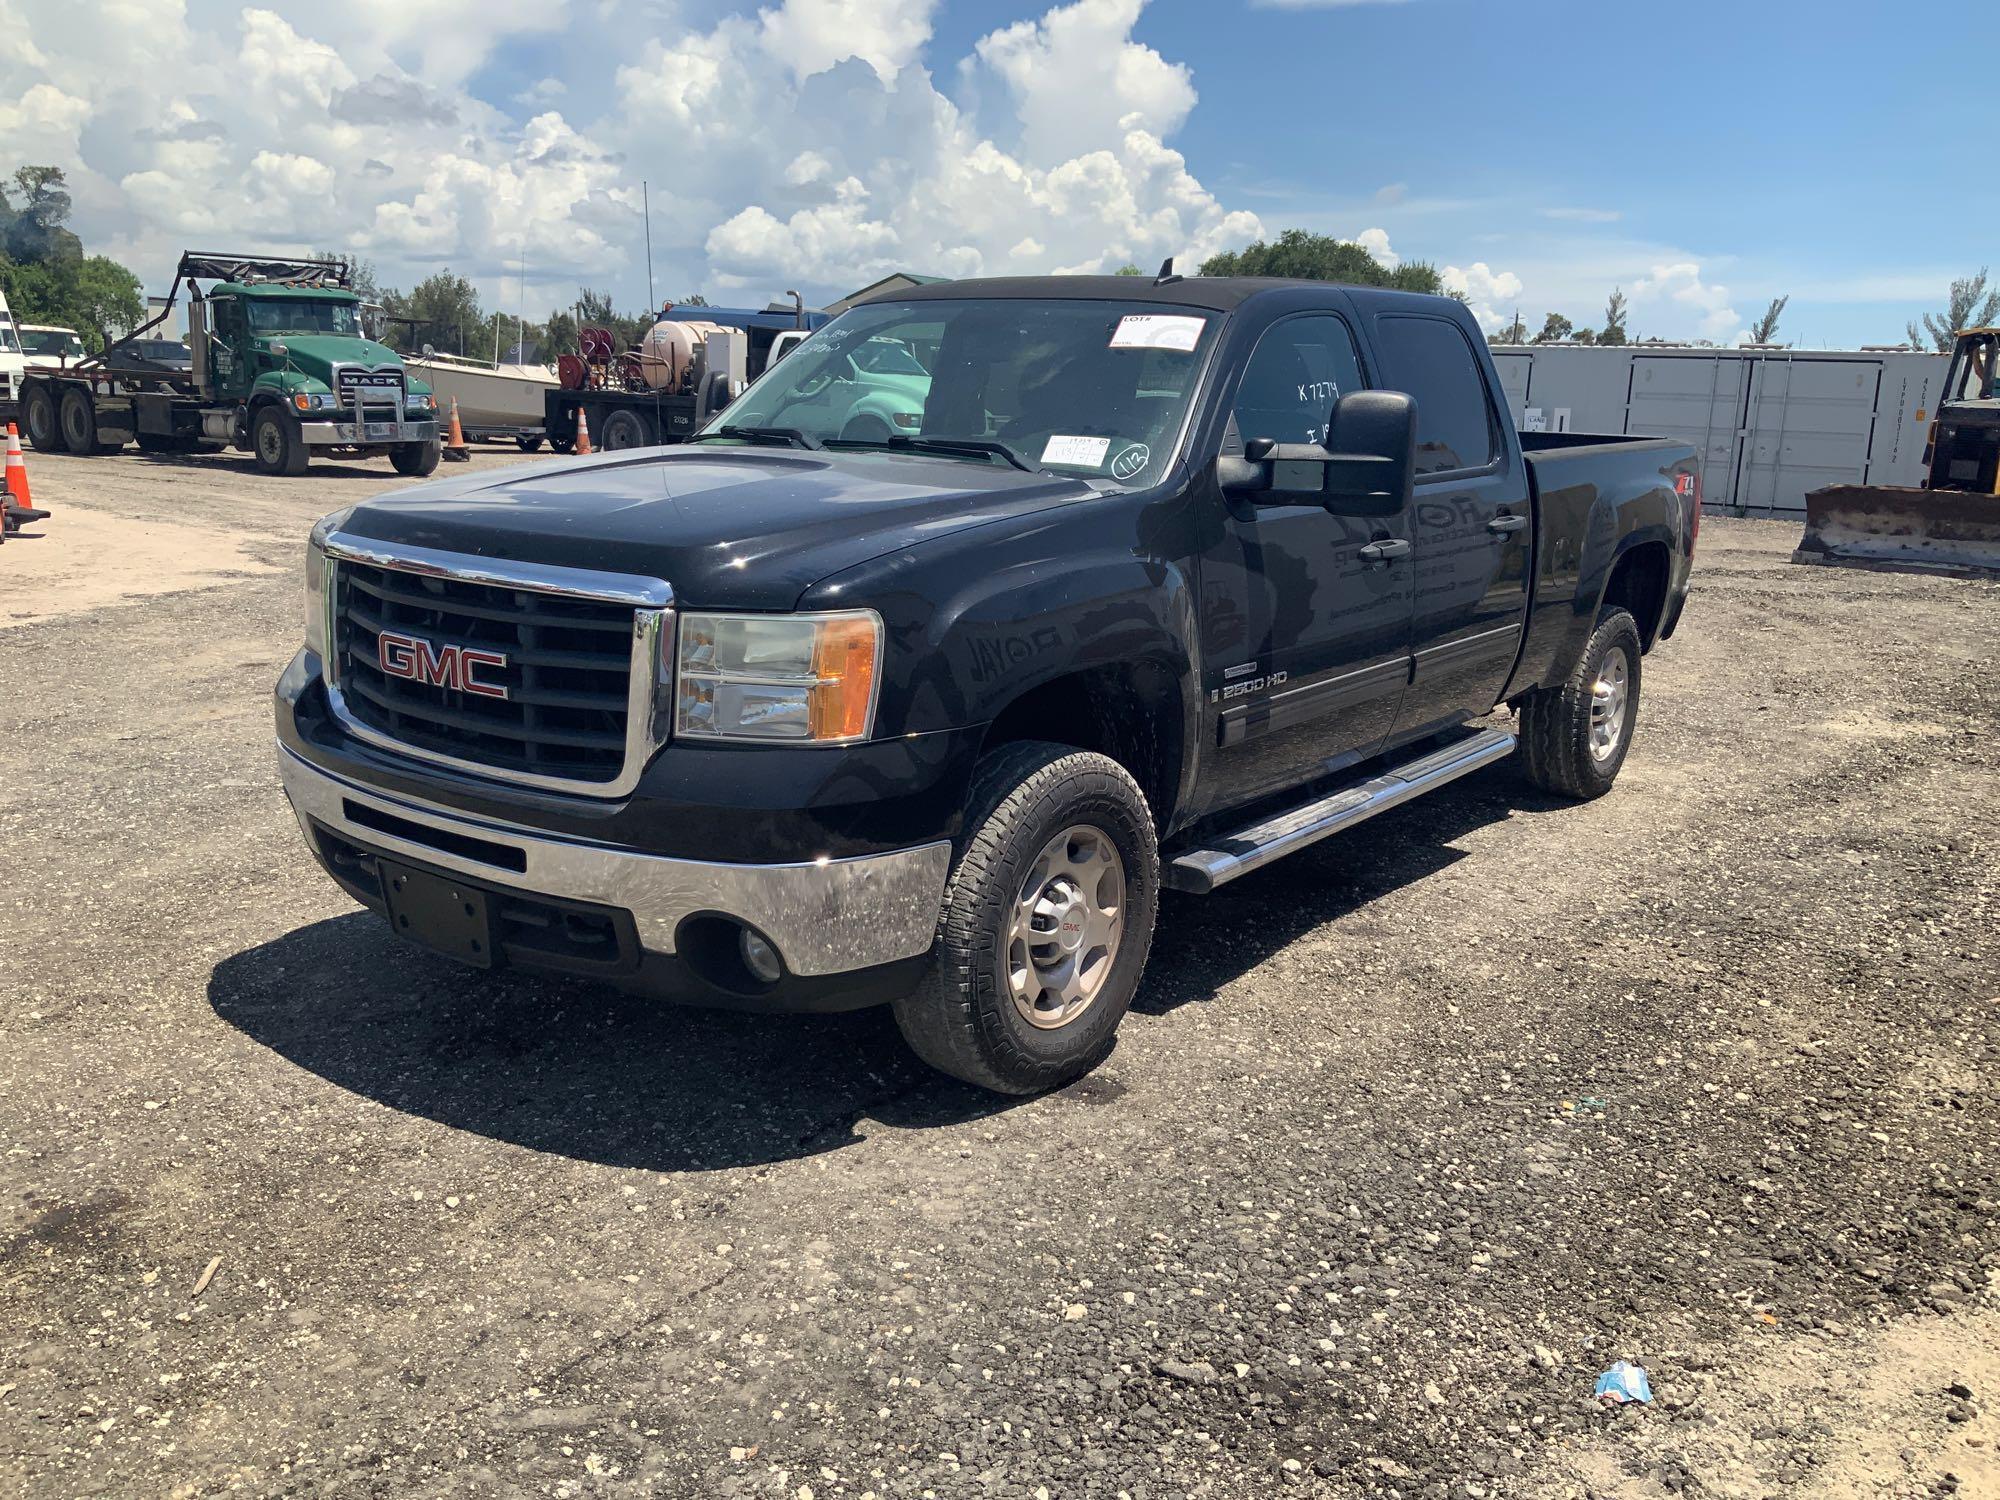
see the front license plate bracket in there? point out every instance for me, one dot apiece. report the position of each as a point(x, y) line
point(440, 913)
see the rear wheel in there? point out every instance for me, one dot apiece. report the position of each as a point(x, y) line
point(79, 421)
point(416, 459)
point(528, 444)
point(276, 443)
point(1574, 737)
point(38, 413)
point(1047, 921)
point(624, 429)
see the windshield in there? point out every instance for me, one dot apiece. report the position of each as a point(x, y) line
point(54, 343)
point(303, 315)
point(1975, 376)
point(1084, 386)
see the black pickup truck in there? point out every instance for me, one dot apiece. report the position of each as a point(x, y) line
point(1152, 583)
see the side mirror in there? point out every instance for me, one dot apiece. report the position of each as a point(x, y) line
point(1363, 469)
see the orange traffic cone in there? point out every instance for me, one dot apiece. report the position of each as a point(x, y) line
point(454, 442)
point(16, 509)
point(583, 433)
point(17, 469)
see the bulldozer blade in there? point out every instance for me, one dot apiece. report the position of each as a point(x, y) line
point(1879, 526)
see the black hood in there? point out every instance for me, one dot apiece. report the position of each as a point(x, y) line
point(742, 528)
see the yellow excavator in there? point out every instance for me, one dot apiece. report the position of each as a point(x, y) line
point(1952, 523)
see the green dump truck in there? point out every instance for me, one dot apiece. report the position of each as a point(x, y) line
point(282, 369)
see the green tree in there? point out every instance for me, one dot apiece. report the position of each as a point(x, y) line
point(1614, 319)
point(1971, 306)
point(441, 310)
point(36, 221)
point(1765, 329)
point(1128, 269)
point(104, 301)
point(1555, 328)
point(1298, 253)
point(1584, 336)
point(1515, 332)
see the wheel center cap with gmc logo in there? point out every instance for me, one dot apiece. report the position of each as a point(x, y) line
point(414, 659)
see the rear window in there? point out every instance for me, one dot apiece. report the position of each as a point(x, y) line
point(1430, 360)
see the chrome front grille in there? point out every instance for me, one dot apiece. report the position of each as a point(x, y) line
point(380, 387)
point(543, 676)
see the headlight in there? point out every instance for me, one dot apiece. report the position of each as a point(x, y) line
point(312, 400)
point(808, 679)
point(319, 602)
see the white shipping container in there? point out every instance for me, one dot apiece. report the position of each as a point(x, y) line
point(1768, 425)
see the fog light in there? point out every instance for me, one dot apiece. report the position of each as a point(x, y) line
point(760, 958)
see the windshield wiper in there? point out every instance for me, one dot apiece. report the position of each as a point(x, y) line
point(790, 436)
point(967, 446)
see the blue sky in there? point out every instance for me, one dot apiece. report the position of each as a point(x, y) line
point(1704, 157)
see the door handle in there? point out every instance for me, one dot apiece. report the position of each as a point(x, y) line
point(1384, 552)
point(1501, 525)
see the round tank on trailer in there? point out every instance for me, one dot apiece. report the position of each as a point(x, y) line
point(667, 352)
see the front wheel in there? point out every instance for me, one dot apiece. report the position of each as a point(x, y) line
point(1047, 921)
point(277, 444)
point(1574, 737)
point(528, 444)
point(416, 459)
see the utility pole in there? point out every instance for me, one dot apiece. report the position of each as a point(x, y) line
point(646, 196)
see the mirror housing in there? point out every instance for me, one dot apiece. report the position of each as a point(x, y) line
point(1364, 468)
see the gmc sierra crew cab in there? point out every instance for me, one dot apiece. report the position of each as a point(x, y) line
point(1157, 582)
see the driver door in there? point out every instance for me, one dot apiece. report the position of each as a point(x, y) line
point(1305, 641)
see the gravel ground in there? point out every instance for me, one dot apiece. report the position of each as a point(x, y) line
point(1408, 1138)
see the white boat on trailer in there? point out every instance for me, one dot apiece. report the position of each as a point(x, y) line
point(494, 400)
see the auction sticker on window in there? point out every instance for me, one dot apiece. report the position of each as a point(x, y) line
point(1075, 452)
point(1157, 331)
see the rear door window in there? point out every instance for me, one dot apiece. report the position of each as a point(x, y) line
point(1430, 360)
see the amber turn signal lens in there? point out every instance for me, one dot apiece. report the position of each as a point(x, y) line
point(844, 662)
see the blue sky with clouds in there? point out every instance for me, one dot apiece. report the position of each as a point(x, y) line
point(1702, 156)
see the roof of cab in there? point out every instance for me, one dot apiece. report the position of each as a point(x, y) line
point(281, 289)
point(1210, 293)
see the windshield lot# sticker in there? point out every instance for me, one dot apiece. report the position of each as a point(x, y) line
point(1130, 461)
point(1156, 331)
point(1075, 452)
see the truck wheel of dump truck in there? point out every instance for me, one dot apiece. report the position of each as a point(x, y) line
point(416, 459)
point(276, 444)
point(1046, 923)
point(79, 422)
point(1574, 737)
point(38, 413)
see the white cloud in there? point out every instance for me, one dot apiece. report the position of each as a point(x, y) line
point(1680, 285)
point(798, 143)
point(1482, 287)
point(1376, 243)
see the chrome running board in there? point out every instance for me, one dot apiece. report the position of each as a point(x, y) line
point(1201, 870)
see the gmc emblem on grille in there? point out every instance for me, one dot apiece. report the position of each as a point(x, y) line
point(416, 660)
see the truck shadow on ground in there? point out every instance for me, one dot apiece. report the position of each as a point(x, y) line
point(588, 1072)
point(377, 469)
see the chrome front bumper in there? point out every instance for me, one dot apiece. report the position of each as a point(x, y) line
point(366, 434)
point(824, 916)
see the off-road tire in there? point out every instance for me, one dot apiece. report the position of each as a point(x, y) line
point(1555, 722)
point(78, 416)
point(416, 459)
point(961, 1018)
point(41, 422)
point(280, 452)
